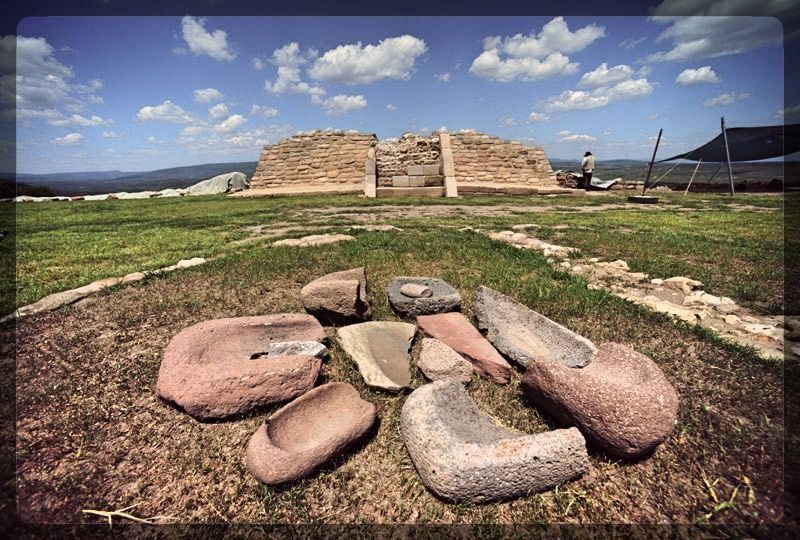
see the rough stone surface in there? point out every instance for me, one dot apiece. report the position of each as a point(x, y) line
point(523, 335)
point(308, 432)
point(380, 350)
point(443, 297)
point(438, 361)
point(394, 156)
point(294, 348)
point(682, 284)
point(318, 158)
point(454, 330)
point(416, 290)
point(463, 455)
point(622, 402)
point(314, 240)
point(207, 368)
point(338, 298)
point(478, 157)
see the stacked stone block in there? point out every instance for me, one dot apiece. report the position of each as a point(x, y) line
point(420, 176)
point(478, 157)
point(317, 158)
point(394, 157)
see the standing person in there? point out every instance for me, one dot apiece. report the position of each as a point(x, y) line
point(587, 166)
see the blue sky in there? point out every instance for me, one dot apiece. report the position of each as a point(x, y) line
point(141, 93)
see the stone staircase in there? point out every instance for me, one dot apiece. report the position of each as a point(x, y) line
point(420, 181)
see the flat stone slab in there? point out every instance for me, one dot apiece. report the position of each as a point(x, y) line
point(208, 369)
point(523, 335)
point(308, 432)
point(314, 240)
point(380, 350)
point(338, 298)
point(622, 402)
point(463, 455)
point(443, 297)
point(454, 330)
point(438, 361)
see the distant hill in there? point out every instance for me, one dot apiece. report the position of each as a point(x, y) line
point(94, 182)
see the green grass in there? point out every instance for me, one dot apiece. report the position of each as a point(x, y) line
point(66, 245)
point(136, 449)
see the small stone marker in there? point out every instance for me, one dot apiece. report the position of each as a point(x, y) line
point(416, 290)
point(438, 361)
point(443, 297)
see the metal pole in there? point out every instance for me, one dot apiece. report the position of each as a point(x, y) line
point(727, 154)
point(692, 178)
point(710, 178)
point(650, 167)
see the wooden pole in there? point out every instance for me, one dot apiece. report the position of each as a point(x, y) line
point(692, 178)
point(652, 160)
point(727, 154)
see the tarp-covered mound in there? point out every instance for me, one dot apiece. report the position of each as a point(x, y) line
point(574, 180)
point(224, 183)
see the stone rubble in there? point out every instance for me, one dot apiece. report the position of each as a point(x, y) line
point(438, 361)
point(443, 296)
point(678, 296)
point(314, 240)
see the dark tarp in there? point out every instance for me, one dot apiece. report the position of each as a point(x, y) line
point(748, 144)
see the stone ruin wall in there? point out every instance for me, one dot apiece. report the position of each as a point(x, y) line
point(339, 158)
point(482, 158)
point(314, 159)
point(393, 156)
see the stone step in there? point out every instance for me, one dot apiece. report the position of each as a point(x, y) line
point(436, 191)
point(417, 181)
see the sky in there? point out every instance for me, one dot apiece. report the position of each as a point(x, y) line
point(143, 93)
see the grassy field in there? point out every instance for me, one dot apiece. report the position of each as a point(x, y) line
point(91, 433)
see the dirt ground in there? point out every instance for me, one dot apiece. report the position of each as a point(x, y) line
point(93, 435)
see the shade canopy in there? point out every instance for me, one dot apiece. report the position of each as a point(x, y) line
point(748, 144)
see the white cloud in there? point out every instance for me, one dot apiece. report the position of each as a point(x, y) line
point(443, 77)
point(692, 38)
point(506, 122)
point(152, 139)
point(288, 82)
point(630, 43)
point(205, 95)
point(200, 42)
point(220, 110)
point(701, 75)
point(603, 76)
point(263, 110)
point(644, 71)
point(78, 120)
point(574, 100)
point(231, 123)
point(258, 64)
point(166, 112)
point(538, 117)
point(111, 135)
point(391, 58)
point(179, 51)
point(39, 83)
point(70, 139)
point(336, 105)
point(390, 107)
point(654, 116)
point(288, 55)
point(568, 136)
point(533, 57)
point(725, 99)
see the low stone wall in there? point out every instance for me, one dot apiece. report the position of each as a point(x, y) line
point(314, 159)
point(482, 158)
point(394, 156)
